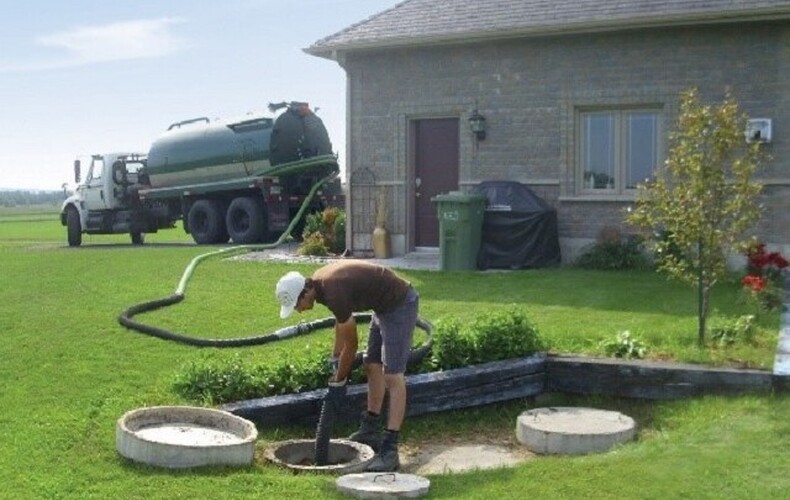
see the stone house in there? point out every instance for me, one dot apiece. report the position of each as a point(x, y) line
point(578, 98)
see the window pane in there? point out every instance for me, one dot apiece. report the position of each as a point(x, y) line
point(642, 144)
point(599, 154)
point(96, 169)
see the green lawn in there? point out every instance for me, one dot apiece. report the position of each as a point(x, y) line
point(69, 371)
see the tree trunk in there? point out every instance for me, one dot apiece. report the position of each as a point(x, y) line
point(704, 300)
point(703, 296)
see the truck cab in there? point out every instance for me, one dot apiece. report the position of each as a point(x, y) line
point(108, 180)
point(106, 202)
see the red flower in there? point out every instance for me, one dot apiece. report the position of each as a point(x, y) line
point(756, 283)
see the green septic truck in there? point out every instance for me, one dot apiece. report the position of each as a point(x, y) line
point(241, 180)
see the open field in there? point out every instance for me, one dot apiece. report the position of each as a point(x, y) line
point(69, 371)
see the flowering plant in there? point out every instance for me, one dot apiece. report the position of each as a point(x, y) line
point(764, 279)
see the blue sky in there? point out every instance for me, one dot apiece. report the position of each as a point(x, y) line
point(88, 76)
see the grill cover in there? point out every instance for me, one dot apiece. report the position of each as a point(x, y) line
point(519, 228)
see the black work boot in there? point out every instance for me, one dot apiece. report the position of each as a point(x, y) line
point(387, 459)
point(369, 432)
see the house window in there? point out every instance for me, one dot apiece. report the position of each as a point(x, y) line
point(619, 149)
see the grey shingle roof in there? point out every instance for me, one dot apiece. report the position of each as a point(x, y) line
point(414, 22)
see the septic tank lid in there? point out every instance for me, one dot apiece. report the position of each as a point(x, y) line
point(384, 485)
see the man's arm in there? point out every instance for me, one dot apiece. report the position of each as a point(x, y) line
point(345, 347)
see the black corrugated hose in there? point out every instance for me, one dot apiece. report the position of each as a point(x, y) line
point(334, 396)
point(126, 320)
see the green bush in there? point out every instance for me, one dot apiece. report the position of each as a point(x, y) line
point(726, 331)
point(491, 337)
point(324, 232)
point(624, 346)
point(625, 253)
point(313, 244)
point(214, 380)
point(452, 346)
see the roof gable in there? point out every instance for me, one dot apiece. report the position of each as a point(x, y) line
point(419, 22)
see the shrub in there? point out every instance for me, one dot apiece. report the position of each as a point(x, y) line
point(624, 346)
point(764, 280)
point(613, 251)
point(214, 381)
point(727, 331)
point(324, 232)
point(490, 337)
point(313, 244)
point(452, 346)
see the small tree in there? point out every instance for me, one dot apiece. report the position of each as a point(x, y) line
point(700, 205)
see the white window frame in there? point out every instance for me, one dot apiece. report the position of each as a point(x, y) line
point(618, 156)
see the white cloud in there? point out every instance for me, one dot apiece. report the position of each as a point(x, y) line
point(140, 39)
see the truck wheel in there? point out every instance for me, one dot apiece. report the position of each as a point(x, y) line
point(206, 222)
point(74, 227)
point(246, 220)
point(138, 238)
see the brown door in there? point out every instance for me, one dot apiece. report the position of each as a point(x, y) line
point(435, 172)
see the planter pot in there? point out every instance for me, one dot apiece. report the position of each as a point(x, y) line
point(381, 243)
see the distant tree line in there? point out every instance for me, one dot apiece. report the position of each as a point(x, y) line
point(20, 197)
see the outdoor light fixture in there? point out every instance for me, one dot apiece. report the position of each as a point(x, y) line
point(477, 123)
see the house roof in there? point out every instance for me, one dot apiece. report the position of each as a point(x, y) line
point(421, 22)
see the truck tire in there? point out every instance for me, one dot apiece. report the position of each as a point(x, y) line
point(207, 222)
point(246, 220)
point(74, 227)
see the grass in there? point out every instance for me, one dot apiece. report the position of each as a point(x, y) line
point(69, 371)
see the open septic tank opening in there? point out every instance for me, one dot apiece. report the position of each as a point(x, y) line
point(344, 456)
point(185, 436)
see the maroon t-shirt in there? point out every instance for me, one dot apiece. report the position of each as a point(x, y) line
point(348, 286)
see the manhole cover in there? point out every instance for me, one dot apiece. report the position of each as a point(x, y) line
point(383, 485)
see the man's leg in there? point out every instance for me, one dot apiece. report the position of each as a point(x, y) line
point(397, 332)
point(396, 385)
point(376, 387)
point(369, 431)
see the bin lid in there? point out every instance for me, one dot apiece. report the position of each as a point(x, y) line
point(459, 197)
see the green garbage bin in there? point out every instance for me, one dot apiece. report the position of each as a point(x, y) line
point(460, 229)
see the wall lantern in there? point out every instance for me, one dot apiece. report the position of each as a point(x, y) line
point(477, 123)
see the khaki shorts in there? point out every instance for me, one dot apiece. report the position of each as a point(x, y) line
point(390, 336)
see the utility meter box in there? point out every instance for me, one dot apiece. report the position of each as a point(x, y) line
point(758, 130)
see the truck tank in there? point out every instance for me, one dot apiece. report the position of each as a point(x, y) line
point(198, 150)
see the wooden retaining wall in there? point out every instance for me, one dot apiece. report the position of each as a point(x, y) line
point(524, 377)
point(427, 392)
point(649, 379)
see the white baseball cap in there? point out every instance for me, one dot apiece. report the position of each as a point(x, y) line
point(288, 289)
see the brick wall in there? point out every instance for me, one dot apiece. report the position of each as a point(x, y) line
point(529, 90)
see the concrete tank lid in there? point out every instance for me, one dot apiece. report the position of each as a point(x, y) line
point(383, 485)
point(571, 420)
